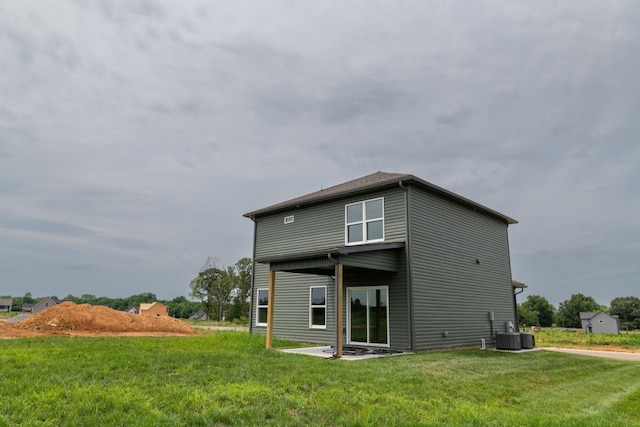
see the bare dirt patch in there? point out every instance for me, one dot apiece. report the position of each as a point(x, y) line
point(614, 348)
point(70, 319)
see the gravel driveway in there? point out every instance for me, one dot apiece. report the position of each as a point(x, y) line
point(597, 353)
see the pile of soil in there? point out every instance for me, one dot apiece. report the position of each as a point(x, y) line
point(70, 319)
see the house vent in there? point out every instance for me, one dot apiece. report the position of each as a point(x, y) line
point(527, 340)
point(508, 341)
point(289, 219)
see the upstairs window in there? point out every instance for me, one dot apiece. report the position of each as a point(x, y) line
point(365, 222)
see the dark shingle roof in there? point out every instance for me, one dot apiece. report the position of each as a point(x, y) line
point(588, 315)
point(375, 180)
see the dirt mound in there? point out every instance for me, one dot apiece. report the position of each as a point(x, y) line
point(69, 318)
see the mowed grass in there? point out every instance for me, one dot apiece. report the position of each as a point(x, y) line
point(228, 379)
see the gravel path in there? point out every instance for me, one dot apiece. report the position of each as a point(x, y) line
point(597, 353)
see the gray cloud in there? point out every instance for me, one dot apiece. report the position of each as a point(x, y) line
point(134, 135)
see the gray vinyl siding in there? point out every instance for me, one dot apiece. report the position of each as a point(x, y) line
point(323, 226)
point(291, 312)
point(291, 306)
point(398, 314)
point(450, 291)
point(320, 262)
point(376, 260)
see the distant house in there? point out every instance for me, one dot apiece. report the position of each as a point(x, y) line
point(27, 307)
point(44, 303)
point(199, 315)
point(5, 304)
point(386, 260)
point(132, 310)
point(599, 323)
point(154, 309)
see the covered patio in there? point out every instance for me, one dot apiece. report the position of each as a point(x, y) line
point(354, 259)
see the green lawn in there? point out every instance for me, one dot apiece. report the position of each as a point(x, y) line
point(6, 314)
point(228, 378)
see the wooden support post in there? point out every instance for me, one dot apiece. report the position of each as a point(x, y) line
point(339, 304)
point(272, 285)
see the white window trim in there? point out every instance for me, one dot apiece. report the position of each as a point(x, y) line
point(312, 306)
point(258, 306)
point(363, 222)
point(348, 304)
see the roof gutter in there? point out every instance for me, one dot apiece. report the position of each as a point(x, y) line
point(253, 274)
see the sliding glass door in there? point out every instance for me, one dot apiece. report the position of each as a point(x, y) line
point(368, 315)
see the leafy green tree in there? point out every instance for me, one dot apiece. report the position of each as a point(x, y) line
point(243, 271)
point(73, 298)
point(182, 308)
point(136, 300)
point(541, 306)
point(27, 298)
point(628, 311)
point(568, 314)
point(88, 298)
point(527, 316)
point(213, 286)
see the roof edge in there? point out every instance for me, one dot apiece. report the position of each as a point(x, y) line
point(393, 180)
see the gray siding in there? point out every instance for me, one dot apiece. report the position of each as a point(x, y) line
point(398, 314)
point(291, 313)
point(323, 227)
point(376, 260)
point(291, 306)
point(450, 291)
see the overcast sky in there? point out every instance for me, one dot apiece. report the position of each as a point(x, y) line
point(134, 134)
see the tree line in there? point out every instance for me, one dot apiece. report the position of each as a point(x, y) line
point(179, 307)
point(221, 292)
point(538, 311)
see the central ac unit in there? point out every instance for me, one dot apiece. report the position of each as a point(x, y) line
point(527, 341)
point(508, 341)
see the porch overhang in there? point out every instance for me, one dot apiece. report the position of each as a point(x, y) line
point(380, 257)
point(331, 262)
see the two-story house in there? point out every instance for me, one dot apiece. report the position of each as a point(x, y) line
point(387, 260)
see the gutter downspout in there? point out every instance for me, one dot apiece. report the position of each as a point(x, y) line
point(407, 248)
point(515, 308)
point(253, 274)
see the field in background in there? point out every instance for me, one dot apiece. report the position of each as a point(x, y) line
point(228, 378)
point(625, 341)
point(234, 323)
point(6, 315)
